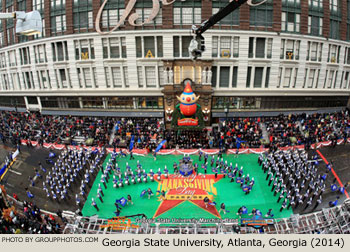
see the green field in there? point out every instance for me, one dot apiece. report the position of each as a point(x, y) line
point(231, 194)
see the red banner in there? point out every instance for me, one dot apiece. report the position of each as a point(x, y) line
point(187, 122)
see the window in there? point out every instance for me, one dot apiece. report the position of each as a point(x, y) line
point(112, 12)
point(149, 102)
point(290, 22)
point(12, 58)
point(9, 5)
point(140, 76)
point(82, 15)
point(161, 76)
point(287, 77)
point(2, 37)
point(314, 51)
point(40, 53)
point(311, 78)
point(39, 6)
point(262, 15)
point(60, 51)
point(62, 78)
point(21, 6)
point(214, 76)
point(260, 47)
point(151, 76)
point(180, 46)
point(330, 74)
point(346, 80)
point(58, 17)
point(234, 77)
point(290, 49)
point(315, 25)
point(230, 19)
point(87, 77)
point(316, 5)
point(347, 56)
point(225, 47)
point(126, 76)
point(334, 31)
point(2, 60)
point(149, 47)
point(187, 12)
point(259, 76)
point(229, 47)
point(114, 48)
point(15, 81)
point(25, 55)
point(108, 78)
point(28, 80)
point(334, 6)
point(224, 77)
point(84, 49)
point(92, 102)
point(120, 102)
point(43, 78)
point(116, 77)
point(144, 9)
point(333, 53)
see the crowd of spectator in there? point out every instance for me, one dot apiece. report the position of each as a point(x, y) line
point(282, 130)
point(28, 219)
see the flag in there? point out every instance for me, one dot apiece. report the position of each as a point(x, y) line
point(143, 193)
point(160, 146)
point(238, 142)
point(132, 143)
point(122, 201)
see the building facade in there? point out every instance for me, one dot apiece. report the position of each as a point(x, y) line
point(281, 55)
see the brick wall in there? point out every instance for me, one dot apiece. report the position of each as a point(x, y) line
point(206, 9)
point(344, 14)
point(47, 10)
point(244, 12)
point(277, 15)
point(326, 15)
point(69, 16)
point(304, 17)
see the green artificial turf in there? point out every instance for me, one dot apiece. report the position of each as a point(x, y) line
point(231, 194)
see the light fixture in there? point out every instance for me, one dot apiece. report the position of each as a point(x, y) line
point(27, 24)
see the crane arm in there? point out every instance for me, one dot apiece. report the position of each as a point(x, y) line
point(235, 4)
point(197, 45)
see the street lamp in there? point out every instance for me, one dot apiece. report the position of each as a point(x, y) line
point(227, 110)
point(27, 24)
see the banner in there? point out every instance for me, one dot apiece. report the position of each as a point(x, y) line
point(132, 143)
point(160, 146)
point(191, 151)
point(3, 169)
point(187, 122)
